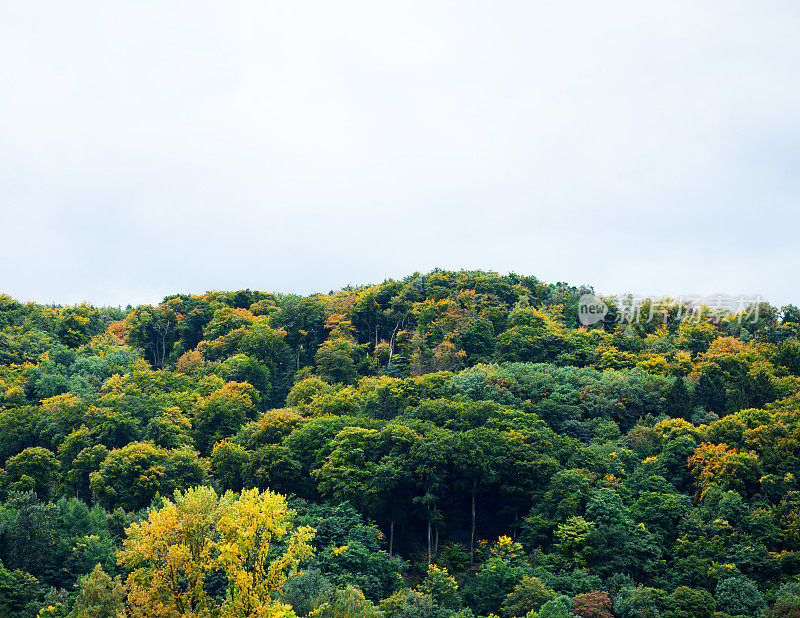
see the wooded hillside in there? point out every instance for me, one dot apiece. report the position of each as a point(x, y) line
point(454, 444)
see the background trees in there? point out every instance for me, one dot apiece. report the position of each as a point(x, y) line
point(130, 477)
point(461, 445)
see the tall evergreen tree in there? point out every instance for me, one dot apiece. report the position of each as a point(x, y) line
point(679, 403)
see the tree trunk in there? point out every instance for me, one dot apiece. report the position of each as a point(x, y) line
point(472, 532)
point(391, 343)
point(164, 344)
point(391, 537)
point(429, 539)
point(436, 538)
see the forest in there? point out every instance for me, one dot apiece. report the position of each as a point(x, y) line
point(455, 444)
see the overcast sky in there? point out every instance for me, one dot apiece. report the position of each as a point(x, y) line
point(153, 147)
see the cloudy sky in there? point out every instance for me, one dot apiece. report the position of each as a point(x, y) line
point(154, 147)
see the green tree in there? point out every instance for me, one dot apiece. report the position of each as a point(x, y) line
point(407, 604)
point(222, 414)
point(306, 591)
point(226, 320)
point(475, 455)
point(36, 468)
point(77, 325)
point(441, 587)
point(572, 549)
point(30, 529)
point(19, 593)
point(171, 429)
point(759, 390)
point(242, 368)
point(643, 601)
point(695, 336)
point(390, 487)
point(618, 544)
point(346, 471)
point(230, 465)
point(478, 341)
point(154, 330)
point(303, 319)
point(334, 360)
point(347, 603)
point(528, 595)
point(710, 393)
point(739, 595)
point(693, 603)
point(430, 461)
point(555, 609)
point(787, 354)
point(520, 344)
point(679, 403)
point(787, 601)
point(266, 345)
point(498, 576)
point(131, 476)
point(273, 466)
point(87, 462)
point(99, 596)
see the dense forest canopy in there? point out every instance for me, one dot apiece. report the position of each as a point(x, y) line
point(454, 444)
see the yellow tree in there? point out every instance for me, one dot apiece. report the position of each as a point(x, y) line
point(169, 555)
point(716, 464)
point(249, 526)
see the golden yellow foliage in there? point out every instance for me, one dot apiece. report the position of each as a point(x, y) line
point(171, 553)
point(248, 527)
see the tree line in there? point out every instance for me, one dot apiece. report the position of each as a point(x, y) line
point(452, 444)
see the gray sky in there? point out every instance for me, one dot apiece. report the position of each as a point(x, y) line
point(154, 147)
